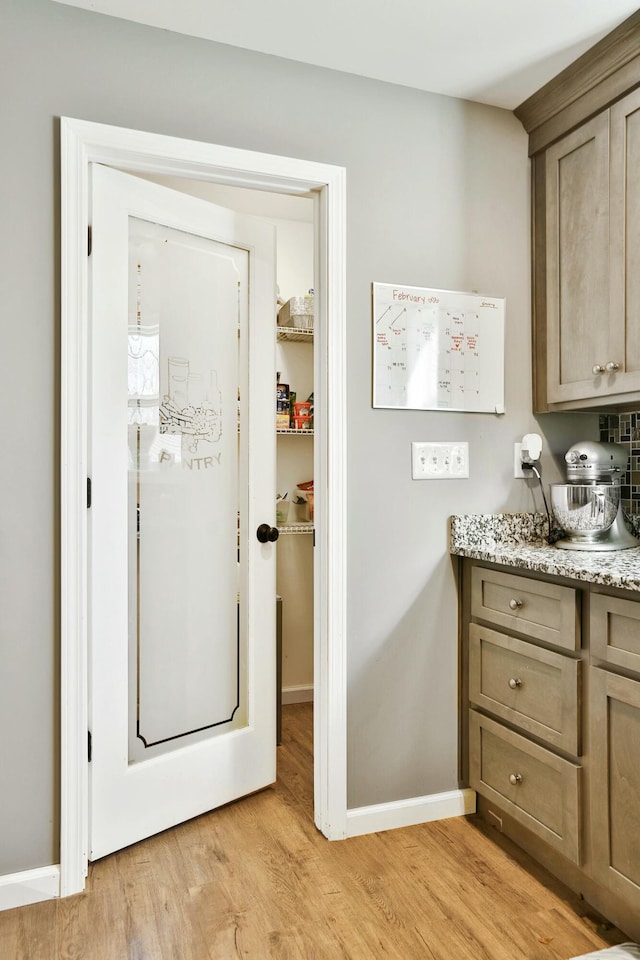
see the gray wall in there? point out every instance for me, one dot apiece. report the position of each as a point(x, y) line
point(437, 196)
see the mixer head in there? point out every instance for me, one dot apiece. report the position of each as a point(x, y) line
point(589, 461)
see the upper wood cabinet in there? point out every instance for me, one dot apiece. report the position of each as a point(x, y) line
point(584, 136)
point(624, 193)
point(577, 261)
point(592, 250)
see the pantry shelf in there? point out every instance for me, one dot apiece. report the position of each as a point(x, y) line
point(294, 334)
point(299, 433)
point(296, 528)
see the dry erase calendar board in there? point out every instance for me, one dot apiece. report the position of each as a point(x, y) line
point(437, 349)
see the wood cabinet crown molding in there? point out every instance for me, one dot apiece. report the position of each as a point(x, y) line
point(596, 79)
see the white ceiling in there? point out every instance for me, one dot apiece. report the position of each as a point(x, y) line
point(496, 51)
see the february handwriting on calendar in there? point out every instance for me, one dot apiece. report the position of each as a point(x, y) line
point(412, 297)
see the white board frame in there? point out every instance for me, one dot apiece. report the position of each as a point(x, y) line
point(490, 362)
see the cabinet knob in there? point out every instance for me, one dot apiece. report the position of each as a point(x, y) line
point(515, 682)
point(515, 779)
point(515, 604)
point(612, 366)
point(597, 369)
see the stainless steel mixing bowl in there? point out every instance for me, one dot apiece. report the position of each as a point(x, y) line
point(585, 511)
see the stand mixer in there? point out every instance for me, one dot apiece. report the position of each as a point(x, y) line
point(588, 507)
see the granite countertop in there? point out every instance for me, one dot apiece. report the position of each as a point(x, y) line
point(518, 540)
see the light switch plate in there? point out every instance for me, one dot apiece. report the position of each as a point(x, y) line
point(447, 460)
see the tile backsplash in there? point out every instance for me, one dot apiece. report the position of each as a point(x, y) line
point(624, 428)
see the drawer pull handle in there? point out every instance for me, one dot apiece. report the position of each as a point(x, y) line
point(515, 682)
point(515, 604)
point(515, 779)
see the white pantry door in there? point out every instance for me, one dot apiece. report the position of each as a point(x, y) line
point(182, 465)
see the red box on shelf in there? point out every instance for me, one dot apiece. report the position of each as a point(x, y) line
point(302, 409)
point(301, 423)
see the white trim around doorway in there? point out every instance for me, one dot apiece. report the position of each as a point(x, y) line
point(82, 143)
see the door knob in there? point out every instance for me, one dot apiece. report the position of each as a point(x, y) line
point(612, 366)
point(267, 534)
point(515, 779)
point(515, 604)
point(597, 369)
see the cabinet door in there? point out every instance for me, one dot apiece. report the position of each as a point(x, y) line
point(625, 240)
point(615, 783)
point(577, 237)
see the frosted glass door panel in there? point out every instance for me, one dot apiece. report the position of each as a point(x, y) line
point(187, 320)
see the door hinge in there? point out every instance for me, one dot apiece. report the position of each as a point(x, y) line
point(89, 746)
point(88, 493)
point(89, 240)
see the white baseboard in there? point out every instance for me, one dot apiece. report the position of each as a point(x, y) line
point(29, 886)
point(408, 813)
point(301, 694)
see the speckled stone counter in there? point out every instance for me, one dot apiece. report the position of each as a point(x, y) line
point(517, 540)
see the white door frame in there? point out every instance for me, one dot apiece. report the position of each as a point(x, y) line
point(84, 142)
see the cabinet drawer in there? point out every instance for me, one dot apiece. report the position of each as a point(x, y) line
point(531, 784)
point(615, 631)
point(544, 611)
point(533, 688)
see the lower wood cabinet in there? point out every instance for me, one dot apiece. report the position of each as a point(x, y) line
point(615, 795)
point(551, 726)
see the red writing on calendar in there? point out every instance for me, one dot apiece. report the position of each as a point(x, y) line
point(409, 297)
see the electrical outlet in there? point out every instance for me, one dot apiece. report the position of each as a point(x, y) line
point(518, 472)
point(440, 461)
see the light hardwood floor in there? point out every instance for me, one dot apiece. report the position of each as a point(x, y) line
point(256, 880)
